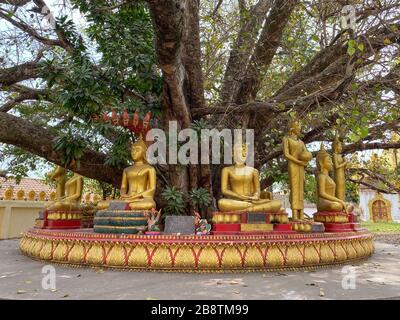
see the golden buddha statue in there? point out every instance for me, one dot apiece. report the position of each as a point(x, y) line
point(326, 186)
point(298, 157)
point(73, 195)
point(240, 184)
point(59, 176)
point(138, 181)
point(339, 165)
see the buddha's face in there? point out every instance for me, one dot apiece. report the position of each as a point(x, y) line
point(137, 153)
point(327, 163)
point(239, 154)
point(295, 128)
point(337, 146)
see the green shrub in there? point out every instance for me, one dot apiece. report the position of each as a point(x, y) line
point(174, 201)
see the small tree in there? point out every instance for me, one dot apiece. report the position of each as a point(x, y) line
point(200, 199)
point(174, 202)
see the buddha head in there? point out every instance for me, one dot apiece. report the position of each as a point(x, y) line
point(324, 160)
point(138, 150)
point(337, 145)
point(295, 127)
point(239, 153)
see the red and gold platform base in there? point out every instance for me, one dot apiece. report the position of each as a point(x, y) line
point(243, 222)
point(211, 253)
point(59, 219)
point(337, 221)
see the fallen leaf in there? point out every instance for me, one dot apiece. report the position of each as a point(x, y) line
point(321, 292)
point(148, 298)
point(21, 292)
point(54, 290)
point(310, 284)
point(236, 291)
point(28, 282)
point(66, 296)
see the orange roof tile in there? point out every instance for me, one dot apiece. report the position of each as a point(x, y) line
point(26, 184)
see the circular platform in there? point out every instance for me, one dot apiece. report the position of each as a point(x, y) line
point(213, 253)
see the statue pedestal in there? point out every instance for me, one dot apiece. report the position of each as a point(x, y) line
point(339, 227)
point(283, 227)
point(62, 219)
point(244, 222)
point(226, 228)
point(255, 228)
point(337, 221)
point(88, 213)
point(120, 221)
point(331, 217)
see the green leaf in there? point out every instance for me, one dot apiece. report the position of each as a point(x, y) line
point(351, 51)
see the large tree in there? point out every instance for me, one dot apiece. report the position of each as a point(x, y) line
point(246, 63)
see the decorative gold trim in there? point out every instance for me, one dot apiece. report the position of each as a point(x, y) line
point(121, 227)
point(246, 227)
point(121, 218)
point(169, 253)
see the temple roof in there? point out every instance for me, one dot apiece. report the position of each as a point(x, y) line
point(26, 184)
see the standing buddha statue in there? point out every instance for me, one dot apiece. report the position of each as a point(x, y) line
point(298, 157)
point(339, 164)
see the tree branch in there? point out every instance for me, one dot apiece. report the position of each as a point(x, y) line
point(27, 95)
point(29, 30)
point(265, 50)
point(25, 71)
point(39, 141)
point(242, 50)
point(62, 39)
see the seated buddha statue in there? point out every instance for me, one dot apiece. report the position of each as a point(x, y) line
point(73, 195)
point(326, 186)
point(58, 175)
point(138, 181)
point(240, 185)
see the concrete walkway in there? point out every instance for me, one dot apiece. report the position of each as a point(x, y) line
point(376, 278)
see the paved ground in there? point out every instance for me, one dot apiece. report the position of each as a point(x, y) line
point(376, 278)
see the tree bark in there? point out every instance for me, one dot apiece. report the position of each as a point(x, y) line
point(264, 52)
point(242, 50)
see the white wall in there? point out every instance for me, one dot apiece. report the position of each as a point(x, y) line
point(18, 215)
